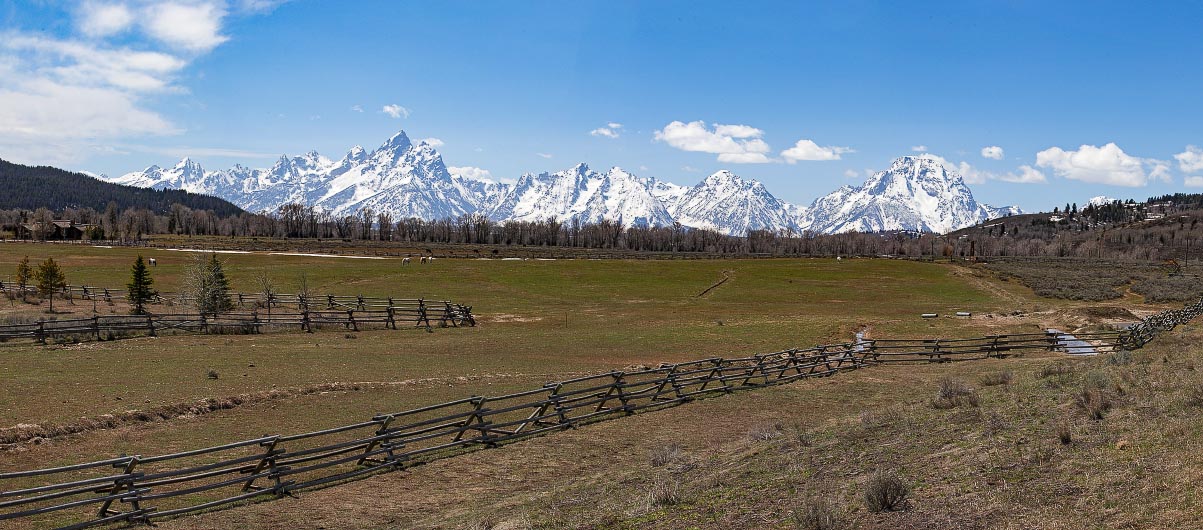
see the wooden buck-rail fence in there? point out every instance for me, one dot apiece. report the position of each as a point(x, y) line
point(142, 489)
point(304, 313)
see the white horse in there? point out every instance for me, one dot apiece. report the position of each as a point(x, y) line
point(154, 262)
point(423, 261)
point(405, 261)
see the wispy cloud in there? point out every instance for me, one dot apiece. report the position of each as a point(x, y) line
point(808, 150)
point(919, 148)
point(395, 111)
point(67, 96)
point(544, 155)
point(611, 130)
point(356, 108)
point(992, 152)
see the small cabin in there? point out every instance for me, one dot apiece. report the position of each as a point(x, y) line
point(59, 229)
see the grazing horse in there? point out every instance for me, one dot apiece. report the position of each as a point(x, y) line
point(154, 262)
point(423, 261)
point(405, 261)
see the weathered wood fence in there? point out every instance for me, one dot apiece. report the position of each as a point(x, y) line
point(304, 313)
point(71, 293)
point(134, 489)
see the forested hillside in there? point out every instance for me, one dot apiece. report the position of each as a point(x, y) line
point(29, 188)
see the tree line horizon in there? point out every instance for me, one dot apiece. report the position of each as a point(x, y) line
point(1106, 230)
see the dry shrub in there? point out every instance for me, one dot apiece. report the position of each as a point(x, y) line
point(765, 432)
point(954, 393)
point(669, 454)
point(1057, 369)
point(994, 423)
point(1065, 432)
point(885, 492)
point(212, 374)
point(816, 514)
point(998, 378)
point(1094, 401)
point(663, 493)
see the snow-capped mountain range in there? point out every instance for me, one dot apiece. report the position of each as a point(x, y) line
point(410, 180)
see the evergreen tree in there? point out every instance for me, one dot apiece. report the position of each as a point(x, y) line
point(206, 282)
point(140, 290)
point(24, 274)
point(50, 279)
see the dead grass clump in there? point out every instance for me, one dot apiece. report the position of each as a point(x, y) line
point(1095, 402)
point(1120, 358)
point(669, 454)
point(885, 492)
point(1057, 369)
point(998, 378)
point(816, 514)
point(954, 393)
point(872, 420)
point(663, 493)
point(765, 432)
point(212, 374)
point(1065, 432)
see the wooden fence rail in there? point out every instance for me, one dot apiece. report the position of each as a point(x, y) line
point(137, 489)
point(71, 293)
point(305, 313)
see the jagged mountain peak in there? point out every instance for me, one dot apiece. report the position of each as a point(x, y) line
point(407, 179)
point(188, 165)
point(398, 140)
point(916, 193)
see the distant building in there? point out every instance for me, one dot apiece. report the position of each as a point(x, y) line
point(59, 229)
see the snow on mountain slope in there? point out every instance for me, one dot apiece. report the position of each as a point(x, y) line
point(405, 179)
point(726, 203)
point(582, 194)
point(916, 193)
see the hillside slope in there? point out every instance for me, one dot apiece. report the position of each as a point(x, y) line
point(30, 187)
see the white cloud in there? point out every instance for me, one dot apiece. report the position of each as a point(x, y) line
point(808, 150)
point(690, 169)
point(611, 130)
point(193, 26)
point(1027, 175)
point(1159, 170)
point(356, 108)
point(395, 111)
point(992, 152)
point(1191, 159)
point(470, 172)
point(259, 6)
point(919, 148)
point(851, 173)
point(433, 142)
point(642, 168)
point(972, 175)
point(63, 98)
point(1097, 165)
point(76, 63)
point(97, 19)
point(739, 144)
point(544, 155)
point(1193, 182)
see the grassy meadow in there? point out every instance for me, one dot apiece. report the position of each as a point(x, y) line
point(539, 321)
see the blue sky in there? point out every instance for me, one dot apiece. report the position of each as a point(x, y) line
point(1036, 103)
